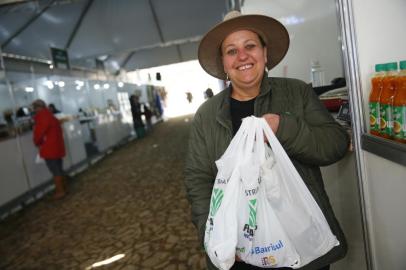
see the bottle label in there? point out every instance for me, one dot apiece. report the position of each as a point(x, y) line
point(374, 116)
point(399, 122)
point(386, 121)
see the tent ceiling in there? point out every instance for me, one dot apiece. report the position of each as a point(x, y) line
point(129, 34)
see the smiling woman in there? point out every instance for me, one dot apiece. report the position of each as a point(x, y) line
point(244, 59)
point(240, 49)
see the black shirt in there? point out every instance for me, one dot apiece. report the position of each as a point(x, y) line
point(240, 110)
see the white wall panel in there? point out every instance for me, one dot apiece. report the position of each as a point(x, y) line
point(12, 178)
point(314, 35)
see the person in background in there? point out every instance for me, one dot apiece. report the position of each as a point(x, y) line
point(158, 104)
point(208, 93)
point(53, 109)
point(136, 113)
point(148, 116)
point(48, 137)
point(189, 97)
point(240, 50)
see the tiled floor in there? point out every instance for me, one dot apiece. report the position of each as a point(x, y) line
point(132, 203)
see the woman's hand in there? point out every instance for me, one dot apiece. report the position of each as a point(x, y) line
point(272, 120)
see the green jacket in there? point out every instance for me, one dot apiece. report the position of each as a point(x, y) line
point(308, 133)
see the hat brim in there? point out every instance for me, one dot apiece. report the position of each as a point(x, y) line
point(274, 34)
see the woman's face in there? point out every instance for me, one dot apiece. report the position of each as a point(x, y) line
point(244, 58)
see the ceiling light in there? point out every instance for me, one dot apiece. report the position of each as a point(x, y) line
point(120, 84)
point(106, 86)
point(292, 20)
point(29, 89)
point(79, 83)
point(49, 84)
point(96, 86)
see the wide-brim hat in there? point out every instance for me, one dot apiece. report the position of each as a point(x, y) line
point(273, 33)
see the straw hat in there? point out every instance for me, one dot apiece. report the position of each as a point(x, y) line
point(274, 34)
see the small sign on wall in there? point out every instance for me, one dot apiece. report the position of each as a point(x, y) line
point(60, 58)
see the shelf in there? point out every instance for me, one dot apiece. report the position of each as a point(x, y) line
point(385, 148)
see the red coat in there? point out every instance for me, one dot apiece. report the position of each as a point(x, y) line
point(48, 135)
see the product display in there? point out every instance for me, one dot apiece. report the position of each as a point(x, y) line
point(387, 102)
point(399, 106)
point(374, 109)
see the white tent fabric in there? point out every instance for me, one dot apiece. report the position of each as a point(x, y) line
point(128, 34)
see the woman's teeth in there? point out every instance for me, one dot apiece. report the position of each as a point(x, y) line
point(244, 67)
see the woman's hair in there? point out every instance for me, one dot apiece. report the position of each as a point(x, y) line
point(39, 103)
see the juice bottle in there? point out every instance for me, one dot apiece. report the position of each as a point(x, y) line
point(376, 89)
point(399, 106)
point(386, 101)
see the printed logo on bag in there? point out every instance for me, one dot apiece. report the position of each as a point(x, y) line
point(240, 250)
point(268, 261)
point(252, 204)
point(249, 231)
point(221, 181)
point(216, 199)
point(251, 192)
point(251, 227)
point(267, 249)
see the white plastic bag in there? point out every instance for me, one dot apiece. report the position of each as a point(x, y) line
point(260, 208)
point(262, 240)
point(39, 159)
point(293, 204)
point(220, 238)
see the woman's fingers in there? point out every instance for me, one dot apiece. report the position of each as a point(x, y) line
point(272, 120)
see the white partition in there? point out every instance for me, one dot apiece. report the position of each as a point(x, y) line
point(109, 131)
point(38, 173)
point(74, 142)
point(13, 182)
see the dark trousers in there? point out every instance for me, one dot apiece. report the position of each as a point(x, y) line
point(55, 166)
point(244, 266)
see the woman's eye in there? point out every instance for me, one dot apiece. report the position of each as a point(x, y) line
point(250, 46)
point(232, 52)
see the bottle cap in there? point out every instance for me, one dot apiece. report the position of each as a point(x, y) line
point(393, 66)
point(402, 64)
point(379, 67)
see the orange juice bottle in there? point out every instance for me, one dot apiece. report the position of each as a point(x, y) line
point(376, 89)
point(399, 105)
point(386, 101)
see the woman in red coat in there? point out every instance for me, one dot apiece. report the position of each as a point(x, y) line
point(48, 138)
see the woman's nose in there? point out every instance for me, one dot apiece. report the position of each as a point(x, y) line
point(242, 54)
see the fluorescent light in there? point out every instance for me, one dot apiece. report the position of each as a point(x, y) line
point(29, 89)
point(79, 83)
point(291, 20)
point(49, 84)
point(61, 83)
